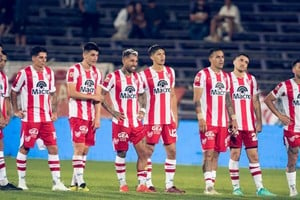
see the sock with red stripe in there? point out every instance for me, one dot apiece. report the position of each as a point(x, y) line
point(54, 165)
point(170, 168)
point(234, 173)
point(256, 174)
point(120, 167)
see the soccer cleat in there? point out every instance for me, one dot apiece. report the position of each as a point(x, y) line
point(59, 186)
point(83, 188)
point(124, 188)
point(152, 188)
point(263, 192)
point(211, 191)
point(73, 187)
point(9, 186)
point(143, 188)
point(22, 185)
point(238, 192)
point(174, 189)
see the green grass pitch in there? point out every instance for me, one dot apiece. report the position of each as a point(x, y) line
point(102, 182)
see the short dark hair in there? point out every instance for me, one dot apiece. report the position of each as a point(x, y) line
point(128, 52)
point(4, 53)
point(91, 46)
point(242, 54)
point(36, 50)
point(295, 62)
point(152, 49)
point(213, 50)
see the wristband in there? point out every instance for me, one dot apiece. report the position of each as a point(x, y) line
point(200, 116)
point(233, 117)
point(143, 110)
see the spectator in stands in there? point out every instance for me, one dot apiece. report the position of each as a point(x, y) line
point(123, 21)
point(288, 92)
point(226, 21)
point(139, 23)
point(199, 20)
point(90, 16)
point(155, 17)
point(20, 22)
point(69, 3)
point(6, 16)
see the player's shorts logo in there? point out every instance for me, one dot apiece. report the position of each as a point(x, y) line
point(123, 136)
point(210, 135)
point(83, 129)
point(33, 132)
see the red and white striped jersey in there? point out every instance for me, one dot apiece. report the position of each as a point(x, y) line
point(36, 88)
point(124, 91)
point(215, 86)
point(242, 91)
point(289, 92)
point(4, 92)
point(158, 86)
point(86, 82)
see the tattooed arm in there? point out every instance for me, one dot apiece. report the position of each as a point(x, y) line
point(106, 106)
point(231, 113)
point(142, 101)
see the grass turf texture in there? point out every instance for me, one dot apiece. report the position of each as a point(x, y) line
point(102, 182)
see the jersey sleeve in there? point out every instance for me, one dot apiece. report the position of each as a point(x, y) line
point(19, 81)
point(100, 78)
point(173, 76)
point(107, 84)
point(140, 85)
point(279, 90)
point(199, 80)
point(255, 86)
point(6, 92)
point(72, 75)
point(52, 83)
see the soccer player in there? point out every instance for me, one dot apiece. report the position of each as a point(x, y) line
point(84, 90)
point(128, 98)
point(4, 119)
point(212, 102)
point(289, 92)
point(35, 84)
point(161, 114)
point(245, 99)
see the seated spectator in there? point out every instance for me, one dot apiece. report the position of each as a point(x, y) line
point(155, 17)
point(199, 20)
point(226, 21)
point(123, 22)
point(139, 23)
point(6, 16)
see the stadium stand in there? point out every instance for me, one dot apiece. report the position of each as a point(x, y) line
point(271, 39)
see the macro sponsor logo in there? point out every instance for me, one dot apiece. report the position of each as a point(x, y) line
point(219, 89)
point(241, 93)
point(129, 93)
point(88, 87)
point(162, 87)
point(40, 88)
point(296, 102)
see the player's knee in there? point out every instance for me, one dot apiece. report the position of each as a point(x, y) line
point(121, 154)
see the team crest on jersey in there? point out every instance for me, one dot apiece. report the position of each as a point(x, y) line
point(88, 87)
point(128, 93)
point(162, 87)
point(41, 88)
point(33, 132)
point(218, 90)
point(296, 102)
point(123, 136)
point(241, 93)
